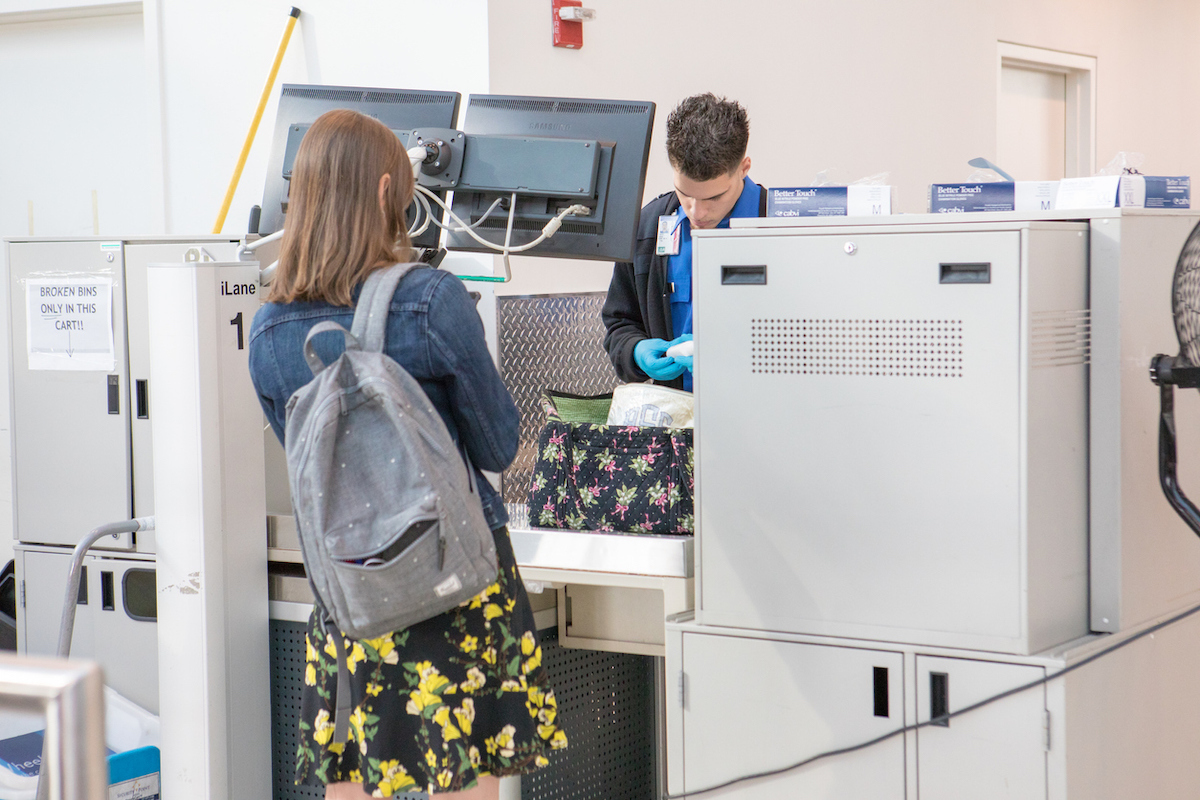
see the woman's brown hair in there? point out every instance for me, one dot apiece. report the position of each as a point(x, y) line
point(336, 231)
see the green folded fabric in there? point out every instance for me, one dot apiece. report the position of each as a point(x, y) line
point(582, 410)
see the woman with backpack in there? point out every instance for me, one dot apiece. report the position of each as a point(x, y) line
point(455, 702)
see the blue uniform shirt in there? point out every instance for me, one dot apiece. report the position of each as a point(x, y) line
point(679, 267)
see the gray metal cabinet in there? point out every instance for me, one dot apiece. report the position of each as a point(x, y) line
point(891, 436)
point(999, 751)
point(81, 437)
point(70, 432)
point(122, 610)
point(115, 618)
point(743, 705)
point(41, 576)
point(748, 705)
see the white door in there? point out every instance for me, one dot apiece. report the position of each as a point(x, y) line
point(997, 752)
point(1045, 113)
point(752, 706)
point(1032, 126)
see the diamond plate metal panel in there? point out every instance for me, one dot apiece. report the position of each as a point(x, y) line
point(548, 342)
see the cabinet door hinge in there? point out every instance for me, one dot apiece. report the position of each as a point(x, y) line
point(682, 689)
point(22, 593)
point(1046, 725)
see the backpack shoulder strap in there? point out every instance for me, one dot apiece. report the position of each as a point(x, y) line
point(371, 313)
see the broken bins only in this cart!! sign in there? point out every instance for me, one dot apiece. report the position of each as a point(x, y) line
point(69, 323)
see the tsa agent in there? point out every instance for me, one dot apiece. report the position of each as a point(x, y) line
point(452, 703)
point(649, 304)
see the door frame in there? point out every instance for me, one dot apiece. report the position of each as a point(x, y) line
point(1080, 73)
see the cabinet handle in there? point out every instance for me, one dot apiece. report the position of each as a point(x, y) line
point(143, 399)
point(744, 275)
point(114, 394)
point(881, 692)
point(108, 601)
point(939, 699)
point(966, 273)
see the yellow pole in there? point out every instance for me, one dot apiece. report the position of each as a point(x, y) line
point(262, 104)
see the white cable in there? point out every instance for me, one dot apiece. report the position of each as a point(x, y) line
point(416, 155)
point(512, 213)
point(422, 209)
point(478, 222)
point(548, 230)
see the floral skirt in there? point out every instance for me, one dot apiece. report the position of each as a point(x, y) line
point(437, 705)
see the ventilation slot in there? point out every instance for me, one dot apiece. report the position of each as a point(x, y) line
point(359, 95)
point(533, 225)
point(602, 108)
point(560, 106)
point(1060, 338)
point(889, 348)
point(512, 104)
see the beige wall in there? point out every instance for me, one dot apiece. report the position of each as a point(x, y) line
point(857, 86)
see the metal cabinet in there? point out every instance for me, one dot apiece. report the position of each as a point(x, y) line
point(41, 578)
point(81, 434)
point(70, 431)
point(1000, 750)
point(749, 705)
point(81, 445)
point(115, 617)
point(891, 433)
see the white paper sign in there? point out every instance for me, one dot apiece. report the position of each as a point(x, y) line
point(69, 323)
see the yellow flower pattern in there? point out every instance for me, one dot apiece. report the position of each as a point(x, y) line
point(394, 780)
point(439, 704)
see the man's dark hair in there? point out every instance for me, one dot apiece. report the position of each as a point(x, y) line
point(707, 136)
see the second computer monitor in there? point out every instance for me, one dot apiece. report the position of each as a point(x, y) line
point(621, 128)
point(402, 110)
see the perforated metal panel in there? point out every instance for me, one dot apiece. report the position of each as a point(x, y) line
point(606, 706)
point(605, 703)
point(287, 676)
point(904, 348)
point(548, 342)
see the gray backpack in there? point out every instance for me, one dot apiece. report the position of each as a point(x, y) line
point(390, 521)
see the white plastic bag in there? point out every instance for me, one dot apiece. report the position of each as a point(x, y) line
point(649, 405)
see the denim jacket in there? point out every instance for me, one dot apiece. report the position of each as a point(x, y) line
point(435, 333)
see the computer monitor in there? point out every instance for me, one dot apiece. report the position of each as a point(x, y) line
point(500, 130)
point(402, 110)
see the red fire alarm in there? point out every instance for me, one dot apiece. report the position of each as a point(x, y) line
point(567, 25)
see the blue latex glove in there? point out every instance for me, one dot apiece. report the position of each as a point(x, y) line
point(686, 361)
point(650, 356)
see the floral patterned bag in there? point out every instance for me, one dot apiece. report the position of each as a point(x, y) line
point(610, 478)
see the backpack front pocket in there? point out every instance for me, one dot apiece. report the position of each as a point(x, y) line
point(373, 582)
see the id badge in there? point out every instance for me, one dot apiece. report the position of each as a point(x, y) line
point(669, 233)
